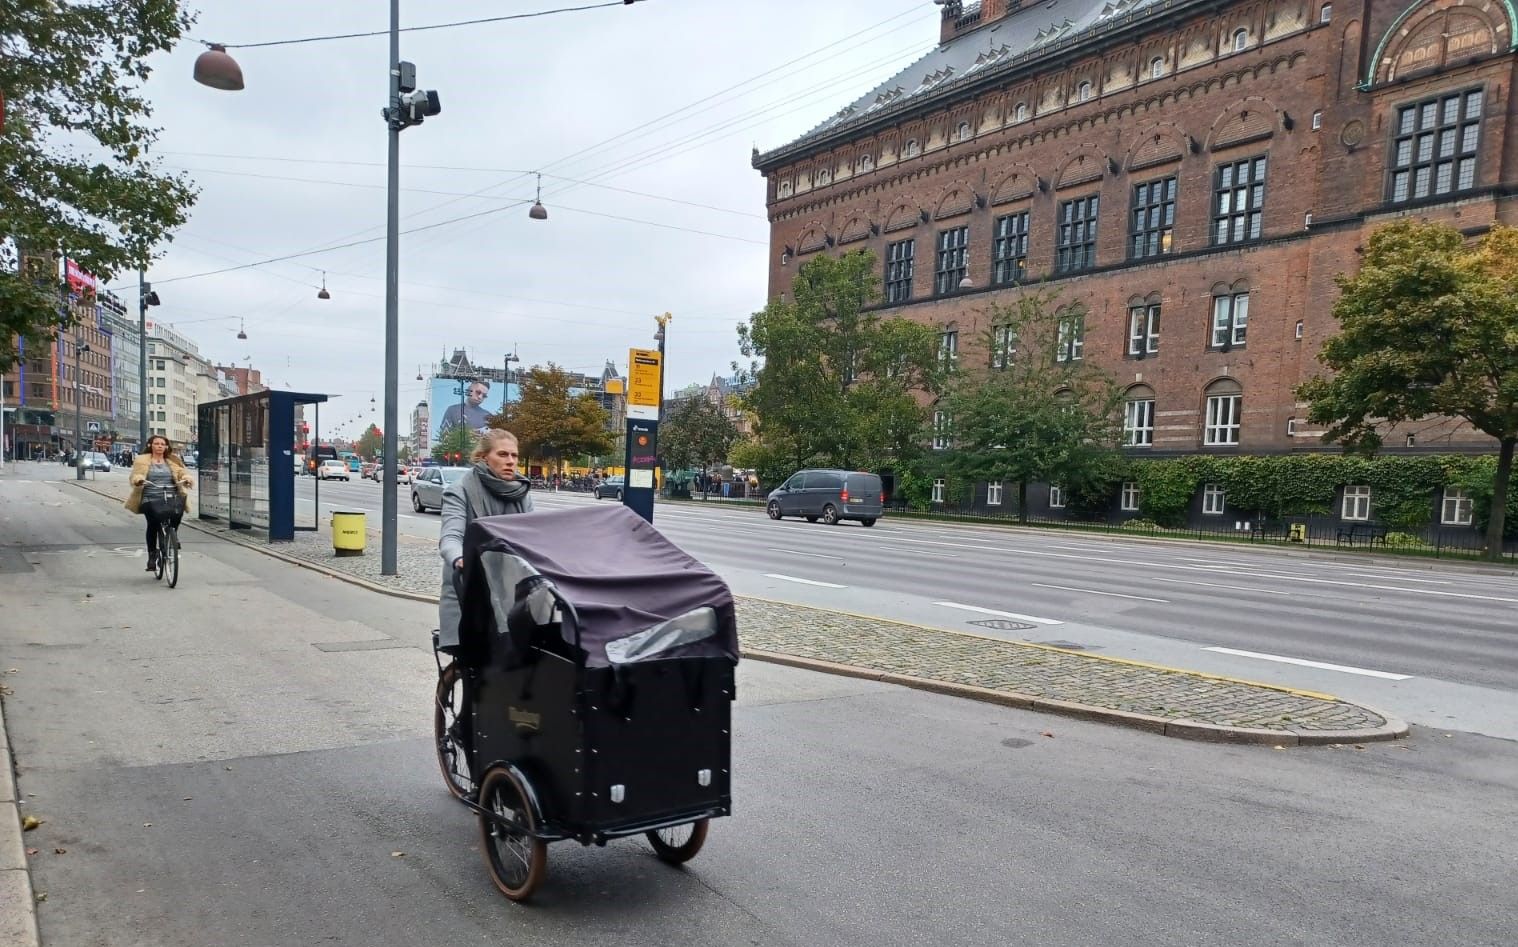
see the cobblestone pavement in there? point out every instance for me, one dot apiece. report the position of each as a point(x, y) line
point(1162, 700)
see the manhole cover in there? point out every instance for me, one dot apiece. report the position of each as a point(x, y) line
point(1002, 624)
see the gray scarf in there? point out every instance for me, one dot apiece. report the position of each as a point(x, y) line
point(490, 495)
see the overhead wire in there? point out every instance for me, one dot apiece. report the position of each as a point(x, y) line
point(417, 29)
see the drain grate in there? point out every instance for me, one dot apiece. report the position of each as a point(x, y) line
point(1067, 645)
point(1002, 624)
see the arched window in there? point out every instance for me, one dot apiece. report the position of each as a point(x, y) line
point(1156, 67)
point(866, 162)
point(1138, 416)
point(1083, 92)
point(1224, 410)
point(1240, 39)
point(1020, 114)
point(912, 149)
point(964, 131)
point(785, 188)
point(824, 176)
point(1326, 14)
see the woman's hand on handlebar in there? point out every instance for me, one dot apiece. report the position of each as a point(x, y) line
point(458, 563)
point(139, 481)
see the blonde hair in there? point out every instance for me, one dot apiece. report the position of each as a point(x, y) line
point(488, 439)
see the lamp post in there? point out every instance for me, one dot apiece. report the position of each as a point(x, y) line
point(79, 349)
point(506, 387)
point(145, 298)
point(659, 336)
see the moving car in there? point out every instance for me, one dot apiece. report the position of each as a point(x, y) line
point(332, 469)
point(94, 460)
point(610, 487)
point(427, 487)
point(829, 495)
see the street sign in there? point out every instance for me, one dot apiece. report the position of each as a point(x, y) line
point(643, 384)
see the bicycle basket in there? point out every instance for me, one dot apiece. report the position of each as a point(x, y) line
point(161, 502)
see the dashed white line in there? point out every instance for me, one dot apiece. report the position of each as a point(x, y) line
point(1066, 588)
point(1214, 585)
point(797, 552)
point(1364, 672)
point(1000, 614)
point(792, 578)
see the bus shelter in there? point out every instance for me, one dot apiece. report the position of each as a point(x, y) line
point(248, 447)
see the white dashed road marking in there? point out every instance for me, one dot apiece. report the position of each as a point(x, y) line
point(1364, 672)
point(1066, 588)
point(791, 578)
point(1000, 614)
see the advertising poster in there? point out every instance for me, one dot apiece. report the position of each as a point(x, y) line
point(453, 399)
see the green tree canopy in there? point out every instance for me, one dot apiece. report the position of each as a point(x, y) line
point(553, 421)
point(371, 443)
point(455, 442)
point(1428, 327)
point(1034, 416)
point(835, 382)
point(697, 433)
point(75, 174)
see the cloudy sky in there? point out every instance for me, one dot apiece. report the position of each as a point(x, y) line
point(664, 98)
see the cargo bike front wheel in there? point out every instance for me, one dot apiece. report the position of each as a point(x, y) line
point(516, 857)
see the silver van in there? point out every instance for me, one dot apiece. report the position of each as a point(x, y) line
point(828, 495)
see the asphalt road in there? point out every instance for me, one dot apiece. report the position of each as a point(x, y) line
point(244, 760)
point(1435, 643)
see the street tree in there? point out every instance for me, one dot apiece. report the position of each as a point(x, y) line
point(697, 433)
point(454, 445)
point(78, 177)
point(1428, 327)
point(835, 382)
point(1037, 415)
point(553, 421)
point(370, 443)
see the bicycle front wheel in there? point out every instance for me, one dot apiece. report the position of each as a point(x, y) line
point(168, 552)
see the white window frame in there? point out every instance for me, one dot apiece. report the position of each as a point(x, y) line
point(1214, 499)
point(948, 348)
point(1003, 345)
point(1128, 500)
point(939, 489)
point(1230, 320)
point(1326, 13)
point(963, 132)
point(1020, 114)
point(1056, 497)
point(1072, 339)
point(1138, 423)
point(1144, 329)
point(866, 162)
point(1317, 119)
point(911, 149)
point(940, 431)
point(1456, 508)
point(785, 188)
point(993, 493)
point(1240, 40)
point(1157, 67)
point(1224, 413)
point(1356, 504)
point(1084, 91)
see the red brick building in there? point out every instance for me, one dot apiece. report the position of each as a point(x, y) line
point(1195, 173)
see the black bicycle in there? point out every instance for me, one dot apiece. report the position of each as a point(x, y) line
point(165, 504)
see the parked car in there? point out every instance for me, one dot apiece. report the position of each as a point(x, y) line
point(94, 460)
point(428, 486)
point(610, 487)
point(333, 469)
point(828, 495)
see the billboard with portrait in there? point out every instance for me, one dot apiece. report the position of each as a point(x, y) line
point(475, 400)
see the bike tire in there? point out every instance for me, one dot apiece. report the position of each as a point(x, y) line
point(163, 538)
point(171, 550)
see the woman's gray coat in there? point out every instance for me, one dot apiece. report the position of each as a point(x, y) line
point(457, 515)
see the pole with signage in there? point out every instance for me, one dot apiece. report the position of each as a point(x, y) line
point(642, 454)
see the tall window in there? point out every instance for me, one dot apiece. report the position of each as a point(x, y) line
point(1240, 40)
point(1009, 252)
point(993, 493)
point(912, 149)
point(1020, 114)
point(1434, 149)
point(1138, 422)
point(1083, 92)
point(948, 348)
point(898, 273)
point(1230, 319)
point(1056, 497)
point(1003, 346)
point(951, 260)
point(940, 431)
point(1071, 338)
point(1457, 507)
point(1326, 13)
point(1213, 499)
point(1143, 329)
point(963, 132)
point(1156, 67)
point(939, 489)
point(1237, 201)
point(1152, 225)
point(1225, 408)
point(1130, 497)
point(1076, 249)
point(1356, 503)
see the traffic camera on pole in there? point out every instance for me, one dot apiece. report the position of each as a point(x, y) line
point(411, 106)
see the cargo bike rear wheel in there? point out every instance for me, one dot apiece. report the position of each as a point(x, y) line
point(517, 859)
point(450, 732)
point(678, 844)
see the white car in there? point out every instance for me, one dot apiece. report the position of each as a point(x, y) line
point(333, 470)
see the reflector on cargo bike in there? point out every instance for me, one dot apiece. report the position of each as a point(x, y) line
point(587, 688)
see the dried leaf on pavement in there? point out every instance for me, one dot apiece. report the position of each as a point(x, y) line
point(30, 822)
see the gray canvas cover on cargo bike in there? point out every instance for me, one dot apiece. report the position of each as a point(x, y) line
point(638, 596)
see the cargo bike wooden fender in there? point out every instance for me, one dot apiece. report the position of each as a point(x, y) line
point(585, 703)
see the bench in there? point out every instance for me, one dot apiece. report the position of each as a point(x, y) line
point(1269, 530)
point(1368, 534)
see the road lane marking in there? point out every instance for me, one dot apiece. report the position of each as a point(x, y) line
point(1400, 578)
point(1214, 585)
point(1365, 672)
point(797, 552)
point(1000, 614)
point(791, 578)
point(1066, 588)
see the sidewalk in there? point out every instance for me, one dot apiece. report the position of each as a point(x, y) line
point(1157, 699)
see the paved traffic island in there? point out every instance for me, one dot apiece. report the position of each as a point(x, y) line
point(1168, 701)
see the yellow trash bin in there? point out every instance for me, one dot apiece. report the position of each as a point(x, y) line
point(1298, 533)
point(348, 533)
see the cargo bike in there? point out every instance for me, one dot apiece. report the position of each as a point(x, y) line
point(586, 692)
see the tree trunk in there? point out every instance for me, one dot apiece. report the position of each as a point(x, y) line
point(1022, 501)
point(1498, 521)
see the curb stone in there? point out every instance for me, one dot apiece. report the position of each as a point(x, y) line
point(1181, 727)
point(18, 905)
